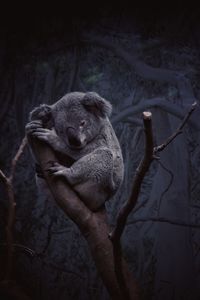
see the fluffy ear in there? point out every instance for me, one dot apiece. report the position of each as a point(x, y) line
point(42, 112)
point(97, 105)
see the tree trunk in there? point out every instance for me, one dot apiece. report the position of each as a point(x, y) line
point(93, 226)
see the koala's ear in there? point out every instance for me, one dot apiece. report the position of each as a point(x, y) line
point(42, 112)
point(96, 105)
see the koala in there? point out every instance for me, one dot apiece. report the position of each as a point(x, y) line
point(78, 129)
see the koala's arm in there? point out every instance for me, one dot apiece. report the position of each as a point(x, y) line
point(96, 167)
point(35, 129)
point(41, 126)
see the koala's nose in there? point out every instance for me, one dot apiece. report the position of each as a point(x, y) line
point(73, 139)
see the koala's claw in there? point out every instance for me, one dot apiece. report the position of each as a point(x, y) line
point(36, 130)
point(56, 170)
point(32, 126)
point(41, 133)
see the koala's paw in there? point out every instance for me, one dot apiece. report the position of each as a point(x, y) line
point(32, 126)
point(57, 170)
point(35, 129)
point(44, 135)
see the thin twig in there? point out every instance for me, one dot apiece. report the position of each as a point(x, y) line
point(11, 209)
point(164, 220)
point(3, 177)
point(168, 186)
point(9, 225)
point(177, 132)
point(17, 156)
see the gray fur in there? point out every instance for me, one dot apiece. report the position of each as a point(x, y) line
point(79, 131)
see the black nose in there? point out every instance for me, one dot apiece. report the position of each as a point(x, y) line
point(73, 139)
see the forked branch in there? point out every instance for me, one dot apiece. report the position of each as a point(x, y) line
point(150, 155)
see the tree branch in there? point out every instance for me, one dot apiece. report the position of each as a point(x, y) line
point(17, 157)
point(93, 226)
point(177, 132)
point(106, 253)
point(137, 181)
point(8, 181)
point(143, 167)
point(141, 171)
point(115, 235)
point(164, 220)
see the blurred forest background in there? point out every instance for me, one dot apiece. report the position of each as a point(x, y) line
point(139, 59)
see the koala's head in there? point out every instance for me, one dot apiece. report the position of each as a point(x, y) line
point(76, 117)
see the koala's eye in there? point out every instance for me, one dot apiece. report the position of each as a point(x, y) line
point(83, 122)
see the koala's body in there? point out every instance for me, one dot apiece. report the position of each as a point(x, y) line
point(78, 129)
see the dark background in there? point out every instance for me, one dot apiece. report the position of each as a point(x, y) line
point(43, 55)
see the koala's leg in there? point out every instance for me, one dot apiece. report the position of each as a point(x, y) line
point(96, 167)
point(91, 177)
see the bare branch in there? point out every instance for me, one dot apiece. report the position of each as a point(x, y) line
point(140, 173)
point(150, 152)
point(164, 192)
point(17, 157)
point(3, 177)
point(9, 225)
point(11, 209)
point(115, 235)
point(177, 132)
point(163, 220)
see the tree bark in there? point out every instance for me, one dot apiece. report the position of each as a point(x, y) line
point(93, 226)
